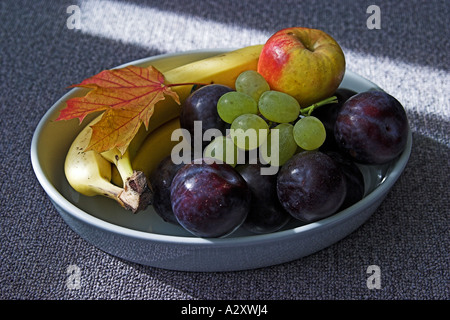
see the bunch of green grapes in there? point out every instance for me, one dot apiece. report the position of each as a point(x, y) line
point(260, 117)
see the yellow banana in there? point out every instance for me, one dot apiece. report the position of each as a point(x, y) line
point(165, 111)
point(156, 147)
point(222, 69)
point(91, 173)
point(79, 169)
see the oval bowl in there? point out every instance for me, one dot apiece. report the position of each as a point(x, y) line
point(146, 239)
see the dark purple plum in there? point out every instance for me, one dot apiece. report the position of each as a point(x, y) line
point(328, 114)
point(209, 199)
point(266, 212)
point(201, 105)
point(160, 181)
point(354, 179)
point(311, 186)
point(371, 128)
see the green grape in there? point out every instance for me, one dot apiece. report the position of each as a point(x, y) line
point(278, 107)
point(280, 140)
point(233, 104)
point(251, 83)
point(222, 149)
point(309, 133)
point(249, 131)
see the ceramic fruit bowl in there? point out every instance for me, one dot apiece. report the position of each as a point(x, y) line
point(146, 239)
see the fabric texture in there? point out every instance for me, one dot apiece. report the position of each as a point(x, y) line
point(408, 56)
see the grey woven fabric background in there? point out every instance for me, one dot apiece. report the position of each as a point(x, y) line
point(407, 237)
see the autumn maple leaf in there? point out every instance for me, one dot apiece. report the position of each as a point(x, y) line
point(127, 96)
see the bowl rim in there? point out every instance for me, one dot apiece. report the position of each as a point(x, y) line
point(55, 196)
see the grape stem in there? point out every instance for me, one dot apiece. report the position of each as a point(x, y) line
point(308, 110)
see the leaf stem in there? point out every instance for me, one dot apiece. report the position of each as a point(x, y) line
point(186, 84)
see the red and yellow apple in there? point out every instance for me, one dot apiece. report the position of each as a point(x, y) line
point(305, 63)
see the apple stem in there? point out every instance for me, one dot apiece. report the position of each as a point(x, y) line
point(308, 110)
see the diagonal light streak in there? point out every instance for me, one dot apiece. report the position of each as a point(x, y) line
point(163, 30)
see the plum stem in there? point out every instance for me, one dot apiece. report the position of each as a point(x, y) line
point(308, 110)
